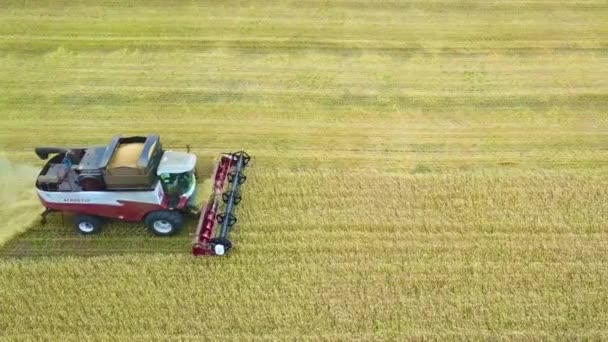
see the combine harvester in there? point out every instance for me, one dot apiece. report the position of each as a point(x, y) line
point(134, 179)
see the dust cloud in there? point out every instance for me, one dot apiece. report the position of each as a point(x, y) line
point(19, 206)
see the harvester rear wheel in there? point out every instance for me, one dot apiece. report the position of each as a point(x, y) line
point(164, 223)
point(87, 224)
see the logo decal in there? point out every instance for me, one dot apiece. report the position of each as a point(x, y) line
point(76, 200)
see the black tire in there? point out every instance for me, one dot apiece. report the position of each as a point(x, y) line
point(87, 224)
point(164, 223)
point(224, 243)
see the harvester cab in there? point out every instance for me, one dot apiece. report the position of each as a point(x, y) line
point(176, 172)
point(135, 179)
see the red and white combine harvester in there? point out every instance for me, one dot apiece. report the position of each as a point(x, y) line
point(134, 179)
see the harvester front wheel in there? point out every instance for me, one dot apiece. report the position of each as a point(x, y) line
point(164, 223)
point(87, 224)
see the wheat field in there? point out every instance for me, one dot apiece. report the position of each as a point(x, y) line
point(422, 169)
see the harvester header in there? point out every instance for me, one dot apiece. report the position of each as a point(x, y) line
point(208, 240)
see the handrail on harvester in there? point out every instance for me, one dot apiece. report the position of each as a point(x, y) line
point(207, 242)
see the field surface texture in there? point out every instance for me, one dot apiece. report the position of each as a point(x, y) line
point(422, 169)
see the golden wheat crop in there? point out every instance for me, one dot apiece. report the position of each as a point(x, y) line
point(422, 169)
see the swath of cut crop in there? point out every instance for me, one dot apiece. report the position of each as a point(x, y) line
point(20, 206)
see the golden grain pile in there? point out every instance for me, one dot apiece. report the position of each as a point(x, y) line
point(422, 169)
